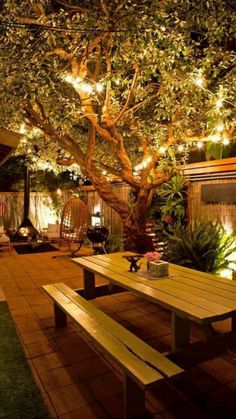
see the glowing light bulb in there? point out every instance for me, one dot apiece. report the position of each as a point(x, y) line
point(86, 87)
point(104, 172)
point(72, 80)
point(117, 82)
point(199, 81)
point(219, 103)
point(199, 144)
point(220, 128)
point(180, 148)
point(99, 87)
point(225, 141)
point(22, 129)
point(162, 149)
point(59, 192)
point(215, 138)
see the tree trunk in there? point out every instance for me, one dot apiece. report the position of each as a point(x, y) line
point(136, 238)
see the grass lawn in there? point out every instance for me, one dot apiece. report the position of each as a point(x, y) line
point(19, 395)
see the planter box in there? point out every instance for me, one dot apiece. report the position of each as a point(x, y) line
point(158, 268)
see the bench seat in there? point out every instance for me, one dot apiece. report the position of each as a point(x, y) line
point(142, 365)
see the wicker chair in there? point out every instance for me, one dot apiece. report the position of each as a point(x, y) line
point(74, 223)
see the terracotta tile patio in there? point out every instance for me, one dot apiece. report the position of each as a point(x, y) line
point(77, 380)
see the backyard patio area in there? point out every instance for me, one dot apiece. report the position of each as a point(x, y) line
point(78, 381)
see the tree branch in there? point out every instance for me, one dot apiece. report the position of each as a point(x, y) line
point(130, 95)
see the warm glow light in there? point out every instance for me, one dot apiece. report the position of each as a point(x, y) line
point(214, 138)
point(99, 87)
point(22, 129)
point(59, 192)
point(220, 128)
point(199, 144)
point(117, 82)
point(199, 81)
point(219, 103)
point(86, 87)
point(162, 149)
point(225, 141)
point(72, 80)
point(180, 147)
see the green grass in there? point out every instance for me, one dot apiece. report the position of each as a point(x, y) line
point(19, 395)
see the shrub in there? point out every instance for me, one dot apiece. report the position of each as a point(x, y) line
point(205, 247)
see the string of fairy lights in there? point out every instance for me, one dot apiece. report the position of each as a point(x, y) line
point(218, 134)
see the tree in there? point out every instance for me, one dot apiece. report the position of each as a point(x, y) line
point(119, 88)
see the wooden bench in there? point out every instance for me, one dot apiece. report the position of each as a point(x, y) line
point(143, 366)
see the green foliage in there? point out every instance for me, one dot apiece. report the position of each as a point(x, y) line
point(205, 247)
point(19, 396)
point(12, 176)
point(114, 243)
point(172, 195)
point(168, 207)
point(171, 42)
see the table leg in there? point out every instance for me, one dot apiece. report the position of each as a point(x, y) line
point(233, 322)
point(89, 285)
point(180, 331)
point(134, 399)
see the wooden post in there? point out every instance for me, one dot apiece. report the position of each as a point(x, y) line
point(60, 316)
point(89, 285)
point(134, 399)
point(180, 331)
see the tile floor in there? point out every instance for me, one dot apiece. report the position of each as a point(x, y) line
point(78, 381)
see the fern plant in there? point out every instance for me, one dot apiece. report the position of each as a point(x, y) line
point(204, 247)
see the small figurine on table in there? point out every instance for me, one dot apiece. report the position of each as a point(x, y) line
point(134, 267)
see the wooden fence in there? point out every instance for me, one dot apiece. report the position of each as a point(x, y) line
point(217, 172)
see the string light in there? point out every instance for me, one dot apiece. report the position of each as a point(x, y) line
point(87, 88)
point(59, 192)
point(117, 82)
point(220, 128)
point(22, 129)
point(99, 87)
point(225, 141)
point(180, 148)
point(162, 149)
point(199, 144)
point(199, 81)
point(219, 104)
point(215, 138)
point(72, 80)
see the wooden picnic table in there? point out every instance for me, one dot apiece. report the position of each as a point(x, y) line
point(187, 293)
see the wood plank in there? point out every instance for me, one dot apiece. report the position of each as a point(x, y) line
point(181, 307)
point(169, 287)
point(220, 285)
point(220, 282)
point(142, 373)
point(208, 293)
point(143, 350)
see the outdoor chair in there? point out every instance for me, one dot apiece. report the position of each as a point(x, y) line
point(74, 223)
point(5, 243)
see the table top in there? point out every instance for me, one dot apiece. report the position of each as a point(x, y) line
point(195, 295)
